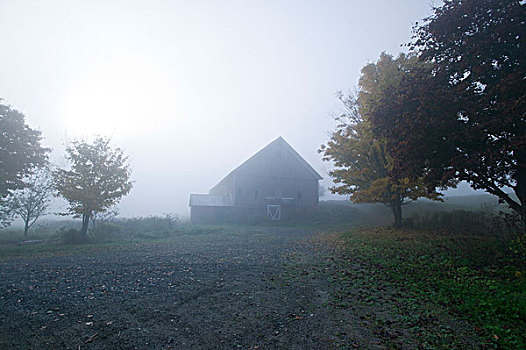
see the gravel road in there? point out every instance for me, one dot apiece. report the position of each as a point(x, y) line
point(257, 289)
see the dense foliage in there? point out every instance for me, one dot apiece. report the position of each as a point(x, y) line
point(364, 162)
point(466, 119)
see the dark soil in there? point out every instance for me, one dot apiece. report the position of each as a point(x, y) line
point(260, 289)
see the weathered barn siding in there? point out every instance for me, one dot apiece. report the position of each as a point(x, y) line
point(276, 175)
point(210, 215)
point(258, 190)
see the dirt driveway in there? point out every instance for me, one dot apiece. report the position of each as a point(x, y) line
point(250, 290)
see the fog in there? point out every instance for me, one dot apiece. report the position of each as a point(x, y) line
point(191, 89)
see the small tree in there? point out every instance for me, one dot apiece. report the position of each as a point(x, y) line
point(99, 177)
point(363, 165)
point(32, 202)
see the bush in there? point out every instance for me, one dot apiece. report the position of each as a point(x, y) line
point(72, 236)
point(148, 225)
point(107, 230)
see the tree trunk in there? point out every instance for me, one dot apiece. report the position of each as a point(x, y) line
point(85, 223)
point(26, 223)
point(520, 188)
point(396, 207)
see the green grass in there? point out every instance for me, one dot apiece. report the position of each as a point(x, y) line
point(472, 276)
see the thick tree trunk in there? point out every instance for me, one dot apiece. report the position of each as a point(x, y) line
point(396, 207)
point(520, 188)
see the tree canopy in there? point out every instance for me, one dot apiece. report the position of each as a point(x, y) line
point(20, 153)
point(466, 115)
point(98, 178)
point(363, 164)
point(20, 150)
point(479, 47)
point(405, 104)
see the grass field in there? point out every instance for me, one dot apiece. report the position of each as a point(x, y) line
point(474, 277)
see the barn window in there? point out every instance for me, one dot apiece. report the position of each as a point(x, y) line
point(278, 154)
point(278, 193)
point(239, 192)
point(300, 195)
point(256, 193)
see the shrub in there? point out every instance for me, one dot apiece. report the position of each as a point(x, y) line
point(511, 224)
point(72, 236)
point(147, 227)
point(107, 230)
point(457, 221)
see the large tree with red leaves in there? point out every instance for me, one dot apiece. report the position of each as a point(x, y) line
point(468, 110)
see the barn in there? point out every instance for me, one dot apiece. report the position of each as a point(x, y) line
point(275, 183)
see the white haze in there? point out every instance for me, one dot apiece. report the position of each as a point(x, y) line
point(191, 89)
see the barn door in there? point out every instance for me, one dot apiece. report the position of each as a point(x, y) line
point(274, 212)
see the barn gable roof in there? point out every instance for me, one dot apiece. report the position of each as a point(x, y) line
point(280, 141)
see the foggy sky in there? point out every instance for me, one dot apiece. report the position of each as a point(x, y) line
point(191, 89)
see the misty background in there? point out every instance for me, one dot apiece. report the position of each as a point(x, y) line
point(191, 89)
